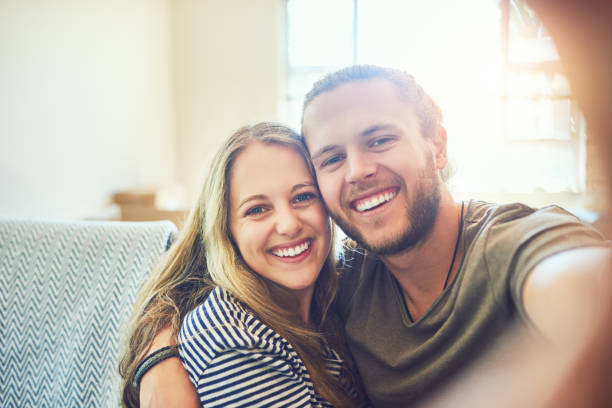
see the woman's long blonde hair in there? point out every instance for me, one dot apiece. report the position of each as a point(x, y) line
point(187, 273)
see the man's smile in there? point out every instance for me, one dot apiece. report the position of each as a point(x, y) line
point(374, 200)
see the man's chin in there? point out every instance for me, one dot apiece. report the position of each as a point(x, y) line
point(377, 243)
point(389, 247)
point(403, 237)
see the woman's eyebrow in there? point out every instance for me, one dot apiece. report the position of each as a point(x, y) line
point(251, 198)
point(302, 185)
point(264, 197)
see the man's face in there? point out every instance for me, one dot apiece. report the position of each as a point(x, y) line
point(376, 171)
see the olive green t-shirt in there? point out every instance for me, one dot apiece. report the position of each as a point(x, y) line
point(401, 361)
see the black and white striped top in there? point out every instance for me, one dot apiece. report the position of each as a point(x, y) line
point(235, 360)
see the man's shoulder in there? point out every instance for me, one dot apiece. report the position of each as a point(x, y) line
point(516, 234)
point(356, 268)
point(516, 221)
point(354, 258)
point(478, 210)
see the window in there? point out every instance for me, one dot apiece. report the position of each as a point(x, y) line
point(512, 124)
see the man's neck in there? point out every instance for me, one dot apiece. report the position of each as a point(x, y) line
point(422, 271)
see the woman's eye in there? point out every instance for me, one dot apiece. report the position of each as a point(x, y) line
point(303, 197)
point(255, 210)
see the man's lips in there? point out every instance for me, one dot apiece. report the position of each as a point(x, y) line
point(374, 200)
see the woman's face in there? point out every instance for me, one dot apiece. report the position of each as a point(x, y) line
point(277, 218)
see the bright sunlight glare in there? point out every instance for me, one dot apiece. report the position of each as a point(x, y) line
point(454, 50)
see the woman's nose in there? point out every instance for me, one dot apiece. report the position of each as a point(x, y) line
point(288, 223)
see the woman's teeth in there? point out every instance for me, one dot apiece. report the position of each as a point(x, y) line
point(295, 251)
point(374, 201)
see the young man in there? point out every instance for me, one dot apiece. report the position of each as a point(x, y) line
point(433, 282)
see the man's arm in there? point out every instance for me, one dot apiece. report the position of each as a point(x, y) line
point(582, 31)
point(167, 384)
point(562, 295)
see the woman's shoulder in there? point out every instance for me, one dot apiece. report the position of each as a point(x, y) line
point(220, 318)
point(224, 323)
point(222, 331)
point(221, 307)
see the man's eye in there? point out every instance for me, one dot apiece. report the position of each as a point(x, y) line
point(380, 141)
point(332, 160)
point(303, 197)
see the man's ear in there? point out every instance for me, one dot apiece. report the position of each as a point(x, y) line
point(439, 144)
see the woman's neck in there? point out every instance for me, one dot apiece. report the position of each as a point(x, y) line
point(297, 301)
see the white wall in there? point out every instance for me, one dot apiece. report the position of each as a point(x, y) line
point(228, 70)
point(86, 103)
point(98, 96)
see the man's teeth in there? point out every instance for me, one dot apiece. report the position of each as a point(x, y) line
point(295, 251)
point(375, 201)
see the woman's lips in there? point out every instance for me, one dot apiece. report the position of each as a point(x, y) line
point(292, 252)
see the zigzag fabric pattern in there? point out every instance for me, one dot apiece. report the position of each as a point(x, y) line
point(66, 292)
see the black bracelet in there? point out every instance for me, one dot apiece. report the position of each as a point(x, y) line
point(152, 359)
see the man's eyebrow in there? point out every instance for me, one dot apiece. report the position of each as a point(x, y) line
point(376, 128)
point(367, 132)
point(322, 151)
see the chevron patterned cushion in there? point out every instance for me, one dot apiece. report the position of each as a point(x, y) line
point(66, 291)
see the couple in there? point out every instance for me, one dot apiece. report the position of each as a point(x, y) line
point(430, 284)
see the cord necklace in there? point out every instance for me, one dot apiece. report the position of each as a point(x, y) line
point(456, 248)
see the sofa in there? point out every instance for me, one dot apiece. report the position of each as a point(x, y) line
point(66, 292)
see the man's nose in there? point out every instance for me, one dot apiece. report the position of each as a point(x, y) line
point(359, 167)
point(288, 223)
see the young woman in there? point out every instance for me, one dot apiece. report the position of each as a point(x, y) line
point(252, 278)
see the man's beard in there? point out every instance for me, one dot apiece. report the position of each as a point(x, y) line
point(422, 217)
